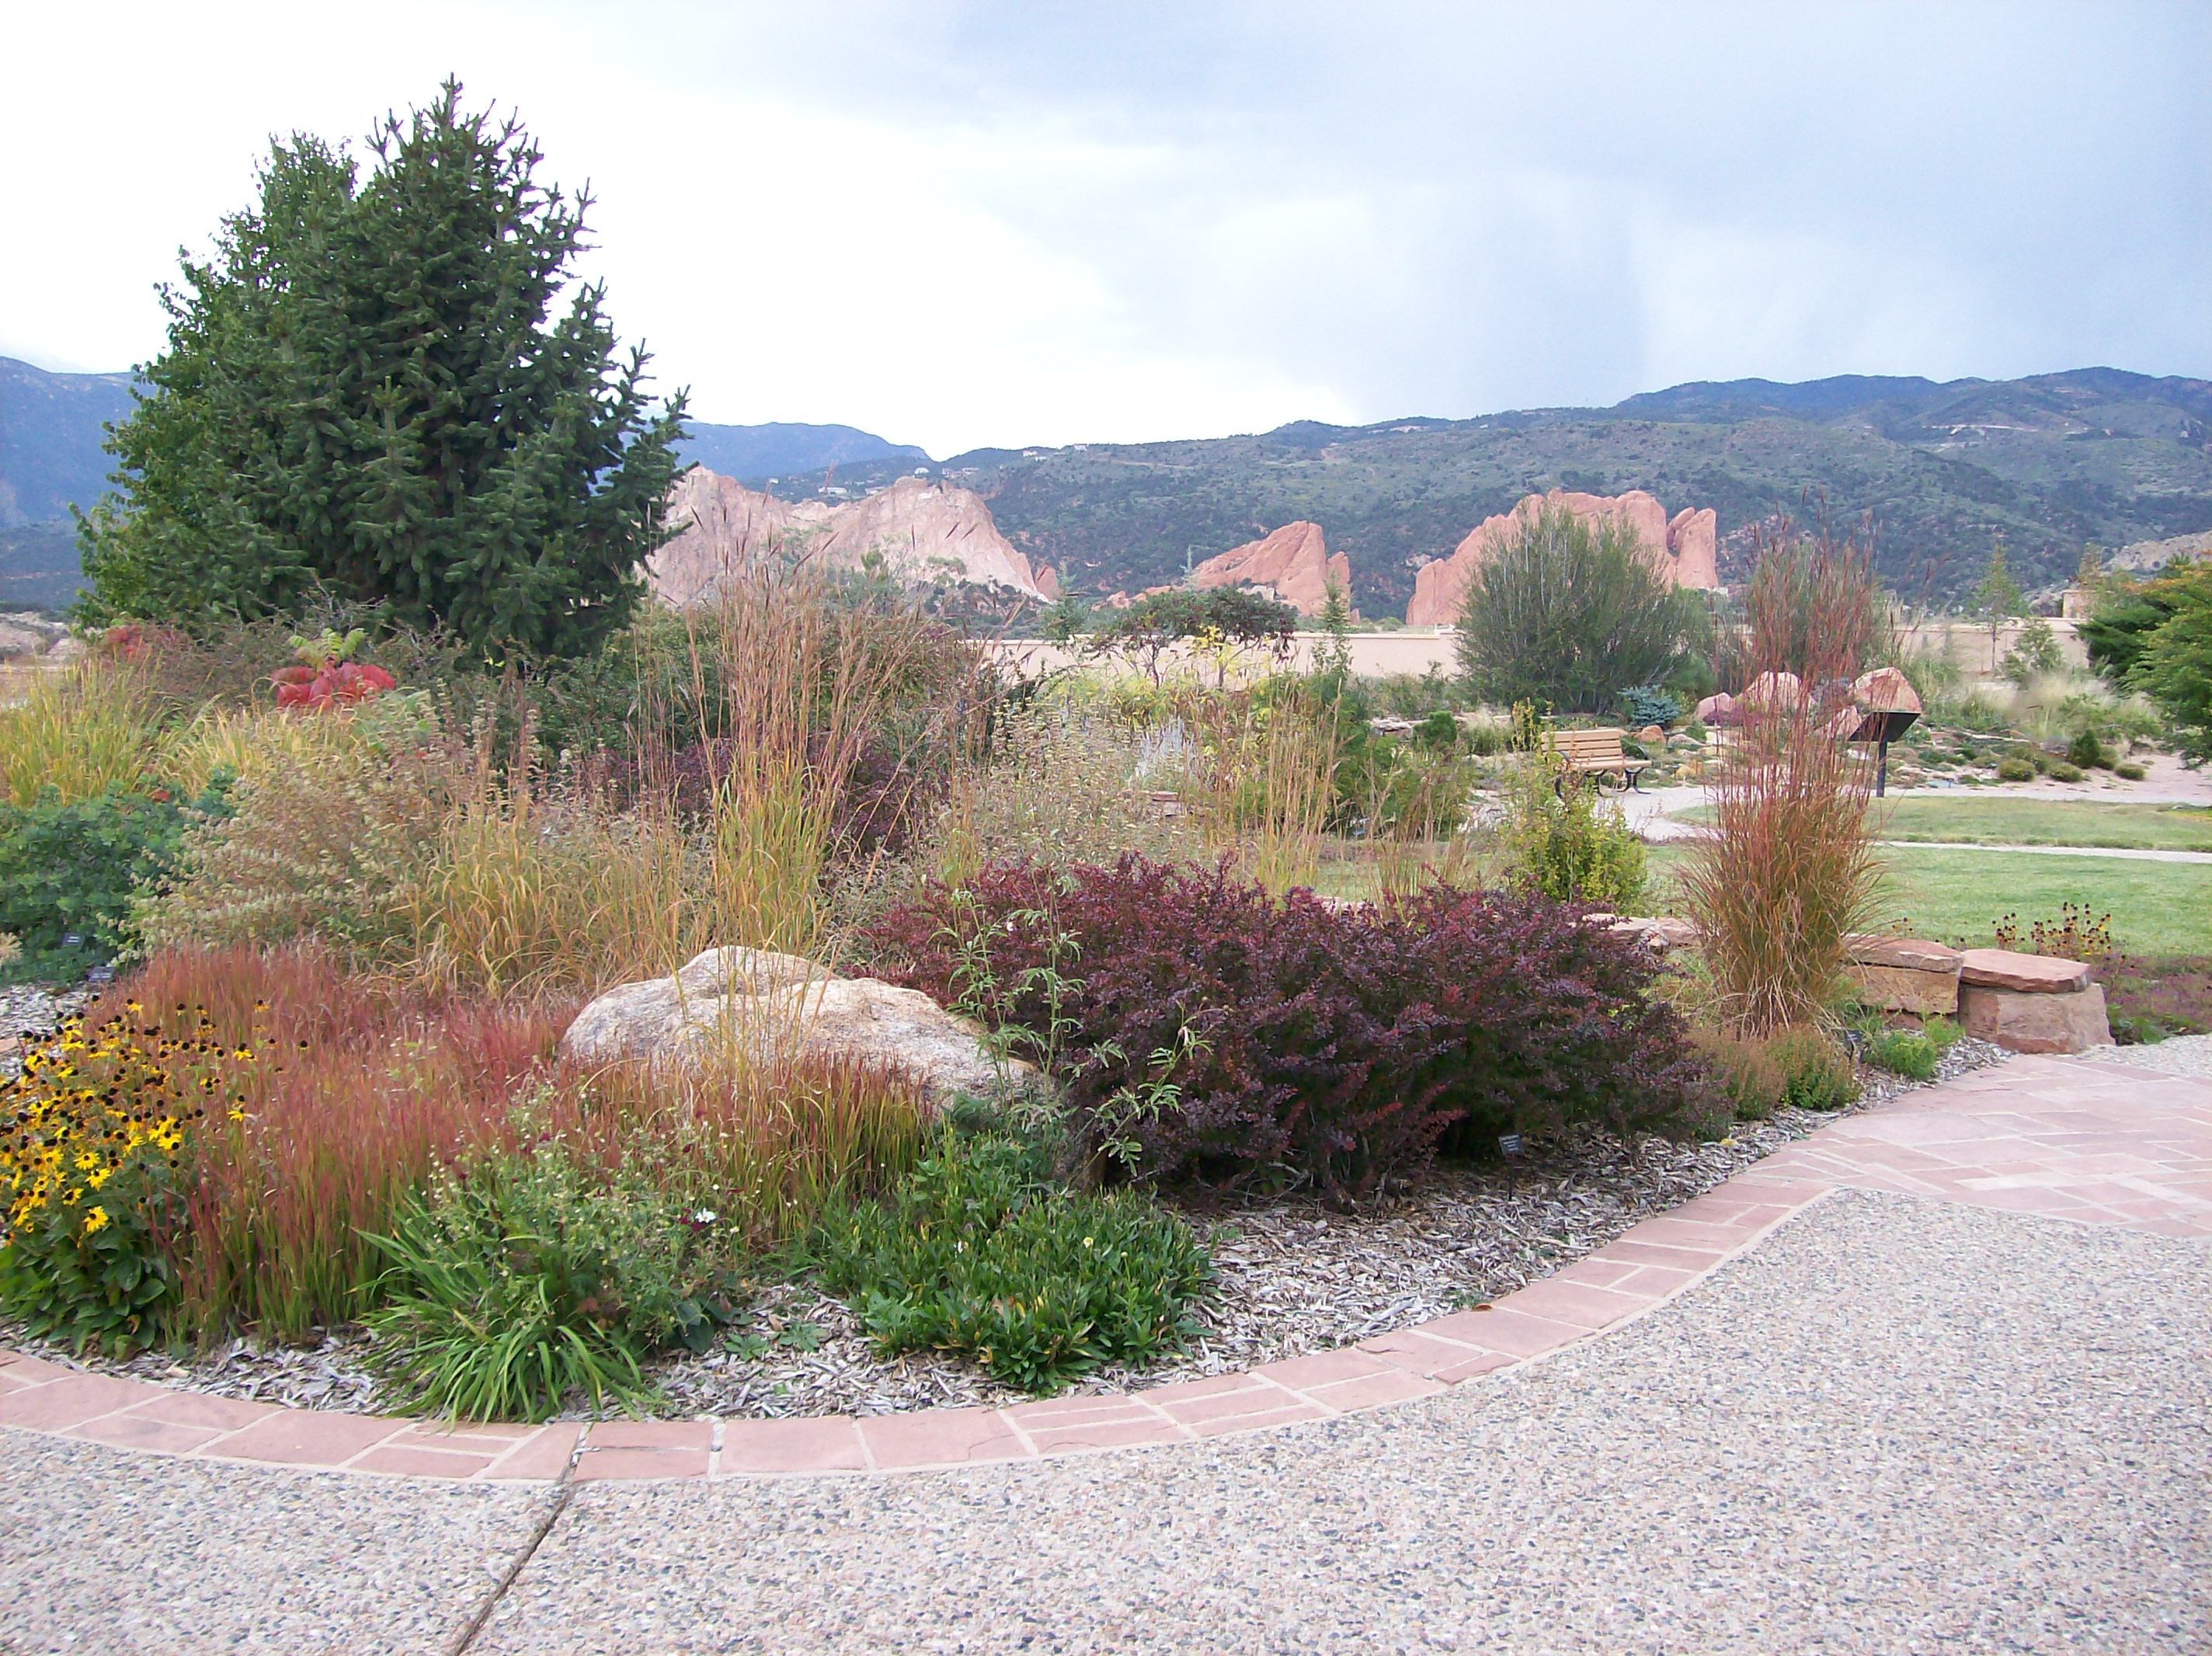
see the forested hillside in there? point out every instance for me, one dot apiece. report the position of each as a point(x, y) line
point(2047, 463)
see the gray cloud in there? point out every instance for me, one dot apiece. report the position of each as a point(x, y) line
point(1006, 223)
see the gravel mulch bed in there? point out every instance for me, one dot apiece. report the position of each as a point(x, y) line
point(34, 1010)
point(2177, 1054)
point(1292, 1276)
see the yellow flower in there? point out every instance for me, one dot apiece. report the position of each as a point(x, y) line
point(95, 1219)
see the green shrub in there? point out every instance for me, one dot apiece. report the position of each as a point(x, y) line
point(1906, 1052)
point(2087, 752)
point(1942, 1030)
point(1647, 706)
point(2137, 1030)
point(1439, 730)
point(2034, 651)
point(69, 871)
point(979, 1253)
point(1564, 611)
point(1559, 841)
point(1753, 1082)
point(2064, 771)
point(2129, 770)
point(2014, 768)
point(527, 1280)
point(1817, 1073)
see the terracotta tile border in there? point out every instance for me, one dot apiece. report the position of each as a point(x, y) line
point(2096, 1144)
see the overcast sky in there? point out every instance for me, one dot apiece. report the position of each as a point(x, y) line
point(963, 224)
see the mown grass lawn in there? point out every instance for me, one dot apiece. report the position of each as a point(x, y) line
point(1984, 821)
point(1956, 897)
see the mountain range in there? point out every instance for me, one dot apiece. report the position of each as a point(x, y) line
point(1944, 470)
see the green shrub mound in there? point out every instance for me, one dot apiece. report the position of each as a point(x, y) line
point(1565, 612)
point(1751, 1081)
point(530, 1281)
point(1817, 1073)
point(1906, 1052)
point(69, 869)
point(979, 1253)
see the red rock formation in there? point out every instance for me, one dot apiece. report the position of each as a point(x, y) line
point(1291, 562)
point(1683, 550)
point(921, 530)
point(720, 525)
point(1694, 537)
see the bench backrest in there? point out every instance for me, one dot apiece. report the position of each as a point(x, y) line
point(1583, 745)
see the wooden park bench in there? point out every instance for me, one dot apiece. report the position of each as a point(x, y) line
point(1597, 753)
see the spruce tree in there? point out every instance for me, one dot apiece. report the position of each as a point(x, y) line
point(366, 398)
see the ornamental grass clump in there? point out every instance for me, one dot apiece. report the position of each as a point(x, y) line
point(338, 1099)
point(79, 732)
point(1789, 871)
point(978, 1252)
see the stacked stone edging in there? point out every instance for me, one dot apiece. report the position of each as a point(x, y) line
point(2028, 1003)
point(1907, 975)
point(2031, 1003)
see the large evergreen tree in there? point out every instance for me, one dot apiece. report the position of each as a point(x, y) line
point(363, 400)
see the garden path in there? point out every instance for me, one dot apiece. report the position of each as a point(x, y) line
point(1655, 815)
point(1935, 1375)
point(2125, 853)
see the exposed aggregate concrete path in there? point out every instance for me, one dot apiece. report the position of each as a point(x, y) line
point(1921, 1414)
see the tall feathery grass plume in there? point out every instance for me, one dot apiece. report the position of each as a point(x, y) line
point(1788, 872)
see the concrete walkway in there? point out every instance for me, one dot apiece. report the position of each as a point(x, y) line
point(2125, 853)
point(1652, 814)
point(1946, 1387)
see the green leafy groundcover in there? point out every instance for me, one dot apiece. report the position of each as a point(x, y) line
point(978, 1252)
point(69, 871)
point(534, 1279)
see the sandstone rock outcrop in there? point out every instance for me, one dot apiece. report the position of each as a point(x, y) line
point(2027, 1022)
point(921, 530)
point(1694, 540)
point(1884, 689)
point(2025, 974)
point(1291, 564)
point(2031, 1003)
point(1685, 549)
point(753, 1004)
point(1904, 975)
point(1773, 690)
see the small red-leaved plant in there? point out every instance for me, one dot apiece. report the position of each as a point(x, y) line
point(327, 676)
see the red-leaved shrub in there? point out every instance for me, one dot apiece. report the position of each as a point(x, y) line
point(1209, 1032)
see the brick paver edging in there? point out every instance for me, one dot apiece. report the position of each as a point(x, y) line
point(2098, 1143)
